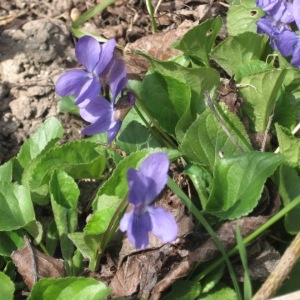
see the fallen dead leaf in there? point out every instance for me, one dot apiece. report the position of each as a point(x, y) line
point(34, 265)
point(158, 46)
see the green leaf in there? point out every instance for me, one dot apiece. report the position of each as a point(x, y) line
point(16, 209)
point(67, 105)
point(184, 290)
point(10, 241)
point(199, 80)
point(64, 197)
point(289, 145)
point(289, 189)
point(80, 159)
point(243, 17)
point(206, 139)
point(7, 287)
point(201, 179)
point(88, 245)
point(6, 171)
point(166, 99)
point(198, 41)
point(235, 51)
point(251, 67)
point(134, 137)
point(43, 139)
point(260, 92)
point(99, 221)
point(238, 183)
point(35, 229)
point(75, 288)
point(224, 293)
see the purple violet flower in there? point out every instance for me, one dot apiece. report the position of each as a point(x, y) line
point(97, 60)
point(105, 116)
point(144, 185)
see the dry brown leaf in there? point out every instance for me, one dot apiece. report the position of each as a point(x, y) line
point(157, 45)
point(208, 250)
point(33, 265)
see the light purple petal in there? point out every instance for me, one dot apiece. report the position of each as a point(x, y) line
point(106, 57)
point(113, 130)
point(88, 52)
point(296, 12)
point(117, 78)
point(89, 90)
point(295, 61)
point(95, 108)
point(126, 220)
point(99, 126)
point(70, 82)
point(137, 226)
point(139, 188)
point(156, 167)
point(286, 42)
point(163, 224)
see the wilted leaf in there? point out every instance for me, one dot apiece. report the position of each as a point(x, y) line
point(33, 265)
point(153, 46)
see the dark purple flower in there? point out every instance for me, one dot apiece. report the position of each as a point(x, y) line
point(105, 116)
point(97, 60)
point(144, 185)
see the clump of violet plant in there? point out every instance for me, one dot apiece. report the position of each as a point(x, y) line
point(141, 218)
point(101, 67)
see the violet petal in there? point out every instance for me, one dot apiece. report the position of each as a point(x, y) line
point(163, 224)
point(88, 51)
point(113, 130)
point(296, 12)
point(89, 90)
point(138, 232)
point(106, 57)
point(117, 78)
point(95, 109)
point(70, 82)
point(138, 188)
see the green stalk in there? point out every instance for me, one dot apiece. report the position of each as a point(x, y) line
point(193, 209)
point(92, 12)
point(151, 14)
point(111, 229)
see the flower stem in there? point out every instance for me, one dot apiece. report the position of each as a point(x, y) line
point(111, 229)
